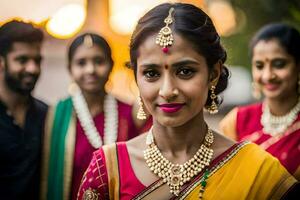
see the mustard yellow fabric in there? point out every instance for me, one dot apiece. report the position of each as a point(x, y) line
point(228, 124)
point(251, 174)
point(111, 160)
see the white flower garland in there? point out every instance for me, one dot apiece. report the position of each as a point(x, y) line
point(87, 123)
point(274, 125)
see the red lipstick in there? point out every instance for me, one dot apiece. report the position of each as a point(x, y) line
point(171, 107)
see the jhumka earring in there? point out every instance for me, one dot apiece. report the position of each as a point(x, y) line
point(165, 36)
point(141, 113)
point(213, 108)
point(256, 90)
point(88, 41)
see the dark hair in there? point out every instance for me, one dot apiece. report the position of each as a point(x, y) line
point(18, 31)
point(97, 40)
point(288, 37)
point(191, 23)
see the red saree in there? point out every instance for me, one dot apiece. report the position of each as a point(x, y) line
point(65, 159)
point(285, 146)
point(83, 149)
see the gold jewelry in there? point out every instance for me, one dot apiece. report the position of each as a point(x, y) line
point(256, 90)
point(165, 36)
point(175, 92)
point(88, 41)
point(213, 108)
point(90, 194)
point(176, 175)
point(141, 113)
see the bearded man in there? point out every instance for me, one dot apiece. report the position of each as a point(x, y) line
point(21, 115)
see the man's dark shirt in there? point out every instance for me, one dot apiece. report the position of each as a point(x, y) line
point(20, 152)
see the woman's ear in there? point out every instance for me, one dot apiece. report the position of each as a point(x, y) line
point(215, 74)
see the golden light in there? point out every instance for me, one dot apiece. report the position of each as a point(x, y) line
point(124, 14)
point(223, 16)
point(124, 21)
point(67, 21)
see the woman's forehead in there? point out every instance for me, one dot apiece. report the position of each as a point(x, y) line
point(149, 50)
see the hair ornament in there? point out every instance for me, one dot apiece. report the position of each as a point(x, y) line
point(88, 41)
point(165, 36)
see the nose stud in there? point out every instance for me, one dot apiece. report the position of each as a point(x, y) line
point(175, 92)
point(273, 76)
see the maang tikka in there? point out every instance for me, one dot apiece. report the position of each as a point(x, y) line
point(88, 41)
point(165, 36)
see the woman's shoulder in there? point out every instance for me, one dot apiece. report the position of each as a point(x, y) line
point(124, 105)
point(254, 107)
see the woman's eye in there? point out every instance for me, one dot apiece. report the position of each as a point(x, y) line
point(279, 63)
point(185, 72)
point(151, 74)
point(259, 65)
point(81, 62)
point(99, 61)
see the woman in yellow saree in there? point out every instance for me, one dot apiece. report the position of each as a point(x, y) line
point(179, 67)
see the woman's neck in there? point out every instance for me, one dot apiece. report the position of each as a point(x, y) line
point(280, 107)
point(179, 144)
point(95, 102)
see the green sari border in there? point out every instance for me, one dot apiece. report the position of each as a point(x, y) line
point(70, 143)
point(60, 153)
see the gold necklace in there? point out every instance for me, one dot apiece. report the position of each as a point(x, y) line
point(176, 175)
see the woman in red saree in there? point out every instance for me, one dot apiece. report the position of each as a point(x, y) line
point(84, 121)
point(274, 124)
point(179, 67)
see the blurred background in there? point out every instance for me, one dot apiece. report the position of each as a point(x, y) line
point(62, 20)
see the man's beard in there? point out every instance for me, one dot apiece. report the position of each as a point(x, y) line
point(15, 83)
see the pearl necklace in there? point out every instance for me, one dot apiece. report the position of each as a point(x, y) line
point(273, 125)
point(87, 122)
point(176, 175)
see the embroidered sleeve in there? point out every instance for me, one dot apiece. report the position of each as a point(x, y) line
point(94, 181)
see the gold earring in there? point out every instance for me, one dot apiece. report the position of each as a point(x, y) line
point(256, 90)
point(213, 108)
point(141, 113)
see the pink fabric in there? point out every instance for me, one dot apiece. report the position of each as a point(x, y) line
point(83, 149)
point(96, 177)
point(130, 185)
point(286, 149)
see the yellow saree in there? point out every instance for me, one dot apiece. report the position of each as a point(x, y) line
point(246, 172)
point(250, 174)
